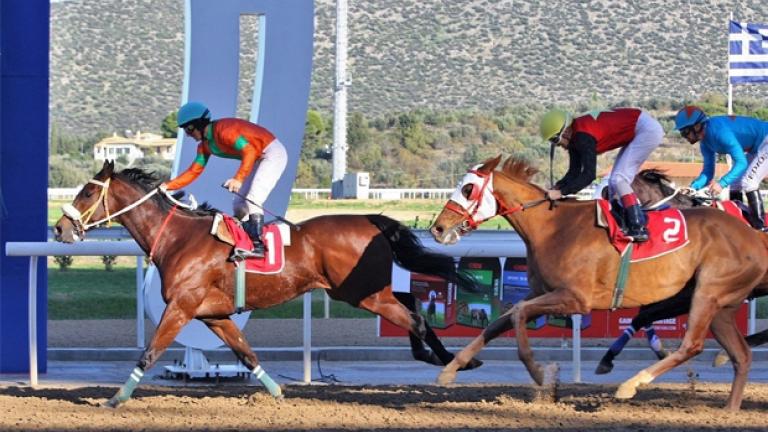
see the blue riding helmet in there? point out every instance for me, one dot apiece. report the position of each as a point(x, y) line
point(689, 115)
point(192, 111)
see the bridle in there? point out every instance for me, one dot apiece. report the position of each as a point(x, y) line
point(470, 222)
point(82, 221)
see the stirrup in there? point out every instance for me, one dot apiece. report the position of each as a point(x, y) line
point(241, 254)
point(637, 237)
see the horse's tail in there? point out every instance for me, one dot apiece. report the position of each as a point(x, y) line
point(410, 254)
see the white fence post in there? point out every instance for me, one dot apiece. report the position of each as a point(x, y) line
point(32, 303)
point(308, 337)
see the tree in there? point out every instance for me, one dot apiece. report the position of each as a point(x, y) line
point(169, 126)
point(357, 130)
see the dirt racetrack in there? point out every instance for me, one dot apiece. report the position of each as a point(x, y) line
point(585, 407)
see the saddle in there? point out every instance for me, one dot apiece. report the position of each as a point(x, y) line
point(275, 237)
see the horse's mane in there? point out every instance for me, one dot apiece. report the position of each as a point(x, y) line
point(657, 177)
point(148, 180)
point(518, 168)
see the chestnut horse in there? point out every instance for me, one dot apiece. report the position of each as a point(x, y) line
point(654, 187)
point(350, 256)
point(572, 269)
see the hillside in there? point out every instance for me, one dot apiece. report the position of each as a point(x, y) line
point(117, 64)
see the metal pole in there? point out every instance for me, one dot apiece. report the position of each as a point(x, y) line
point(752, 316)
point(326, 304)
point(139, 302)
point(576, 319)
point(727, 68)
point(307, 337)
point(32, 321)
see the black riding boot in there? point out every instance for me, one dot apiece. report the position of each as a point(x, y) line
point(735, 195)
point(635, 218)
point(253, 227)
point(757, 212)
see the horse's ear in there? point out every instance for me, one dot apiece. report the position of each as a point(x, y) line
point(490, 164)
point(106, 170)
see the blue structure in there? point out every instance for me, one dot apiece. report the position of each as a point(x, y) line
point(24, 47)
point(279, 103)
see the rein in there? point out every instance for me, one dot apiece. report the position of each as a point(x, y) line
point(82, 221)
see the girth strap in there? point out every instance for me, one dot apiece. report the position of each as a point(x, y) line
point(621, 278)
point(239, 286)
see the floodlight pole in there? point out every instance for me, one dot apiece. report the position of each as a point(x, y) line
point(340, 103)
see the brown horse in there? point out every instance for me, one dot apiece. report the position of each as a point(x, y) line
point(653, 187)
point(572, 268)
point(350, 256)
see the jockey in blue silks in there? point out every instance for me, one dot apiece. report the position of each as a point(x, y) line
point(745, 139)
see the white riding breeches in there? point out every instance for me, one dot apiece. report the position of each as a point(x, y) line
point(648, 136)
point(263, 178)
point(756, 170)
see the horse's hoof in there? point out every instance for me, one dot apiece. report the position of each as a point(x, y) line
point(661, 354)
point(446, 378)
point(720, 359)
point(550, 374)
point(537, 374)
point(626, 391)
point(603, 368)
point(473, 364)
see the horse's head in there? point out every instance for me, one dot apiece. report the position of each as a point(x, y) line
point(89, 204)
point(471, 203)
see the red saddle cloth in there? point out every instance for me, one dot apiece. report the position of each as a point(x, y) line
point(273, 260)
point(667, 231)
point(732, 208)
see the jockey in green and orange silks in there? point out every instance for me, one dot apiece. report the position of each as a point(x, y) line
point(262, 161)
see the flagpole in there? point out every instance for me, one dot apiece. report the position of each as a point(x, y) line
point(727, 75)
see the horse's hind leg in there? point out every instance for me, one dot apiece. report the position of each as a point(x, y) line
point(752, 340)
point(228, 332)
point(385, 304)
point(172, 321)
point(727, 334)
point(417, 343)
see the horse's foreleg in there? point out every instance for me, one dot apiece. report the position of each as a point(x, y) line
point(228, 332)
point(170, 324)
point(555, 302)
point(727, 334)
point(700, 317)
point(466, 355)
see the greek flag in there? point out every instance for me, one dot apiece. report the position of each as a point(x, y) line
point(748, 53)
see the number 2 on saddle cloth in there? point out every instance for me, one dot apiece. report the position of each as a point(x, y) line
point(667, 228)
point(273, 260)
